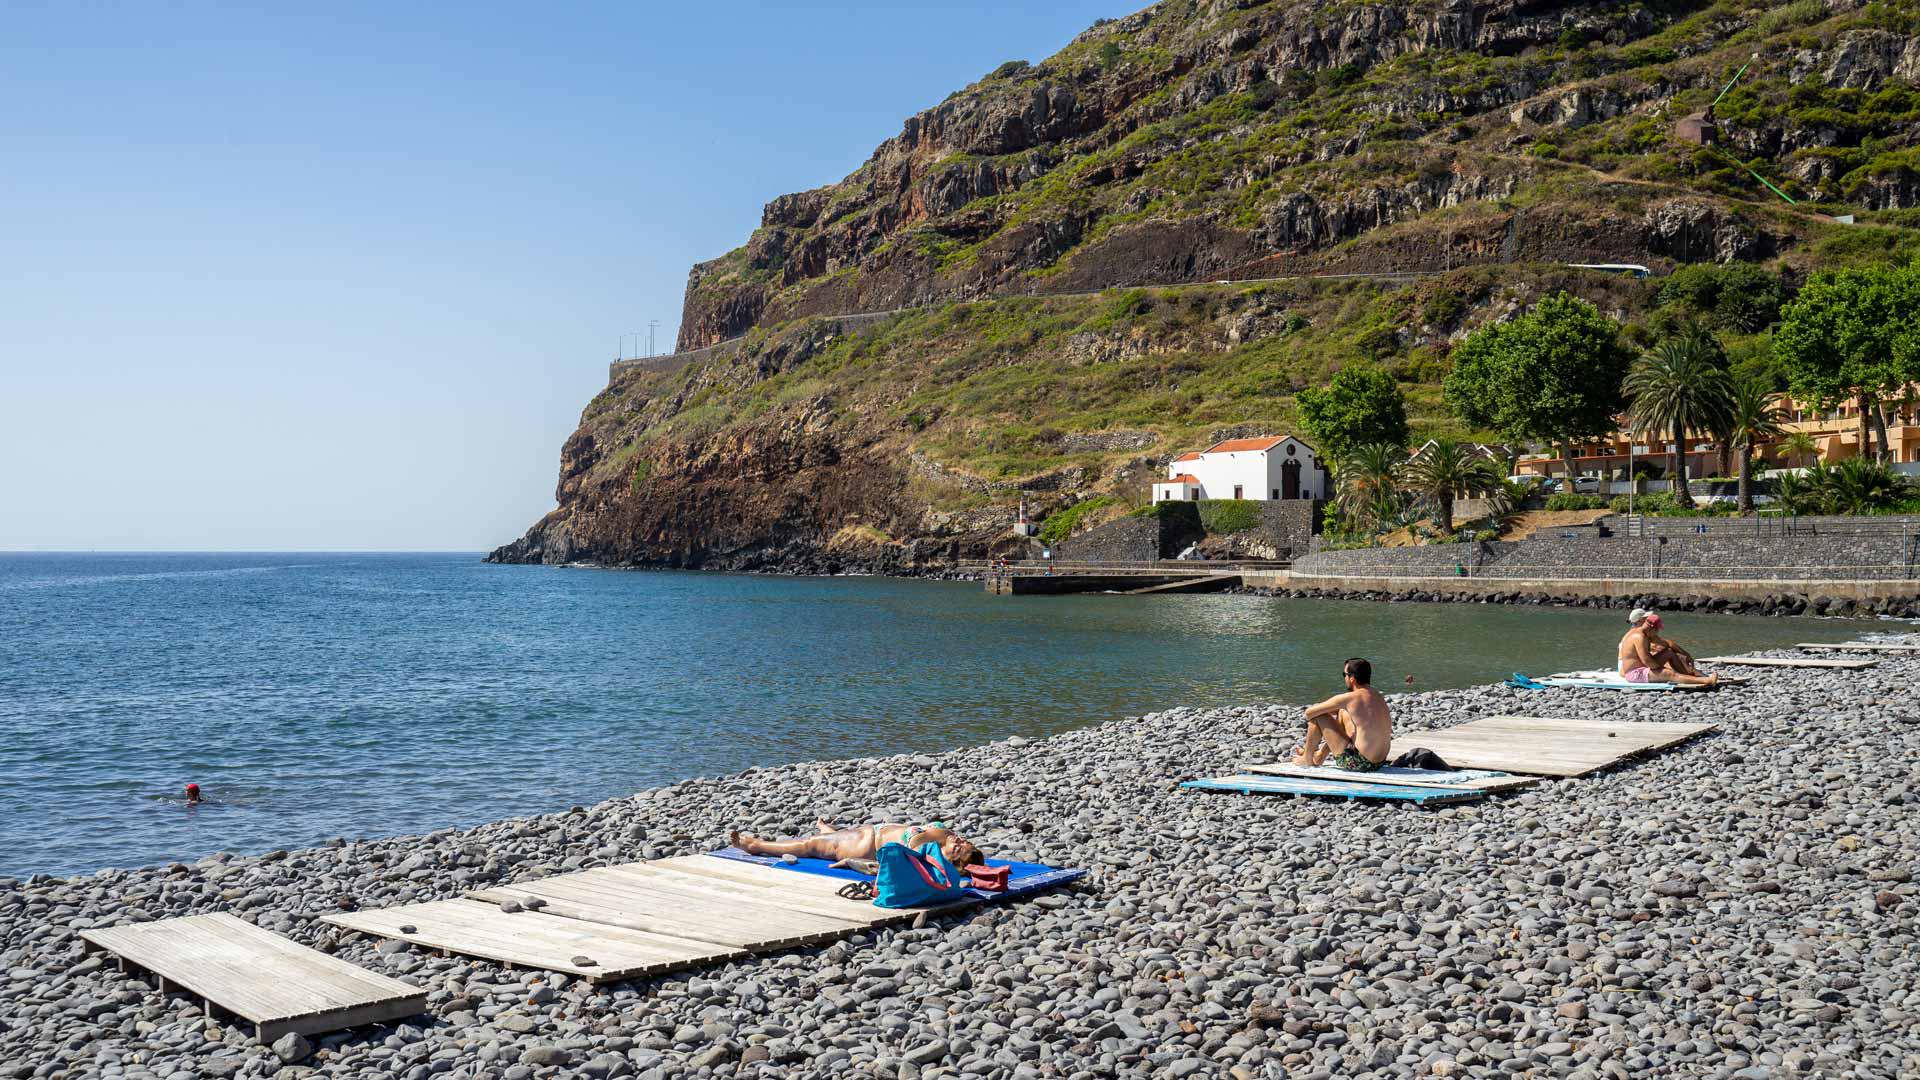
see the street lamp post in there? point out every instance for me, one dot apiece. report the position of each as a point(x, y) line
point(1633, 482)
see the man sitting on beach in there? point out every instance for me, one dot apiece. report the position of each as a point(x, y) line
point(861, 843)
point(1354, 727)
point(1645, 656)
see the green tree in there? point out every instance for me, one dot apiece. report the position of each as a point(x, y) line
point(1678, 388)
point(1751, 420)
point(1446, 468)
point(1367, 486)
point(1361, 404)
point(1853, 334)
point(1551, 375)
point(1738, 296)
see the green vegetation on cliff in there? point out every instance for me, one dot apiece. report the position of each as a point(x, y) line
point(1482, 144)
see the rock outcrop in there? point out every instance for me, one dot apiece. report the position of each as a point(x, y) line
point(1487, 142)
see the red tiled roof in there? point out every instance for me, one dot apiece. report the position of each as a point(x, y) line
point(1231, 445)
point(1191, 455)
point(1184, 478)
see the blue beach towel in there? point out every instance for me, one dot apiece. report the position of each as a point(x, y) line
point(1022, 878)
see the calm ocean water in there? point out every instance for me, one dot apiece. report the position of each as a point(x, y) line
point(313, 696)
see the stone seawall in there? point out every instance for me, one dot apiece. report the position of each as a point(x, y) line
point(1885, 555)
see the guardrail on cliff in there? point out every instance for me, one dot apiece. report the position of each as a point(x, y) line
point(675, 361)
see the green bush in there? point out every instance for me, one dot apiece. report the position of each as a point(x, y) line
point(1653, 502)
point(1799, 13)
point(1062, 524)
point(1739, 297)
point(1567, 500)
point(1223, 516)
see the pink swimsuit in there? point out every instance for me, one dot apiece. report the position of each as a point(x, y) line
point(1637, 674)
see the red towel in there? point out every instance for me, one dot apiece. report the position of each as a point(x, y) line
point(988, 878)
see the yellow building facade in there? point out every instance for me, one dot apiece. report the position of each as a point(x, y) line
point(1835, 433)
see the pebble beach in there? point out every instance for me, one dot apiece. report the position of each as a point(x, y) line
point(1741, 906)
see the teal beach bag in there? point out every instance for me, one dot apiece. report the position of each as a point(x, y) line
point(910, 878)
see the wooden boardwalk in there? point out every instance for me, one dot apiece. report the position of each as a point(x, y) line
point(1542, 746)
point(1857, 646)
point(1787, 662)
point(274, 984)
point(597, 952)
point(636, 919)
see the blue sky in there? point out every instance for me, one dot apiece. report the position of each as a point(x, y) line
point(342, 279)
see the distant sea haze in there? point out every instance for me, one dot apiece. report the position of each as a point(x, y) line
point(313, 696)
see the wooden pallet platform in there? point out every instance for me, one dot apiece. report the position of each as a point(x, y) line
point(1451, 780)
point(1542, 746)
point(1787, 662)
point(1252, 784)
point(274, 984)
point(536, 939)
point(709, 910)
point(1857, 646)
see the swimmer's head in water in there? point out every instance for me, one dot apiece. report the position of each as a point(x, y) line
point(193, 792)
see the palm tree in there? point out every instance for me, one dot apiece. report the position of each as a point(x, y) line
point(1679, 387)
point(1861, 486)
point(1751, 420)
point(1367, 484)
point(1798, 447)
point(1796, 494)
point(1446, 468)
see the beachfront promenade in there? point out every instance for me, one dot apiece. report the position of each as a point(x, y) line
point(1739, 906)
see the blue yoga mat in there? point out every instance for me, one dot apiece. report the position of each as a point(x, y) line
point(1022, 877)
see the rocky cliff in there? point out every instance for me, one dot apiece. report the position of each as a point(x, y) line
point(1197, 142)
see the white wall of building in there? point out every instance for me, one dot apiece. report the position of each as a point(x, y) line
point(1251, 474)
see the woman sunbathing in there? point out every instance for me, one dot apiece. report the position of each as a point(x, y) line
point(861, 843)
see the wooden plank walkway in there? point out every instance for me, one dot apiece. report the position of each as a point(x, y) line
point(1857, 646)
point(274, 984)
point(595, 951)
point(1549, 747)
point(1454, 780)
point(1786, 662)
point(637, 919)
point(706, 910)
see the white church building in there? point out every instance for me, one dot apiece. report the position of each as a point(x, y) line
point(1271, 467)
